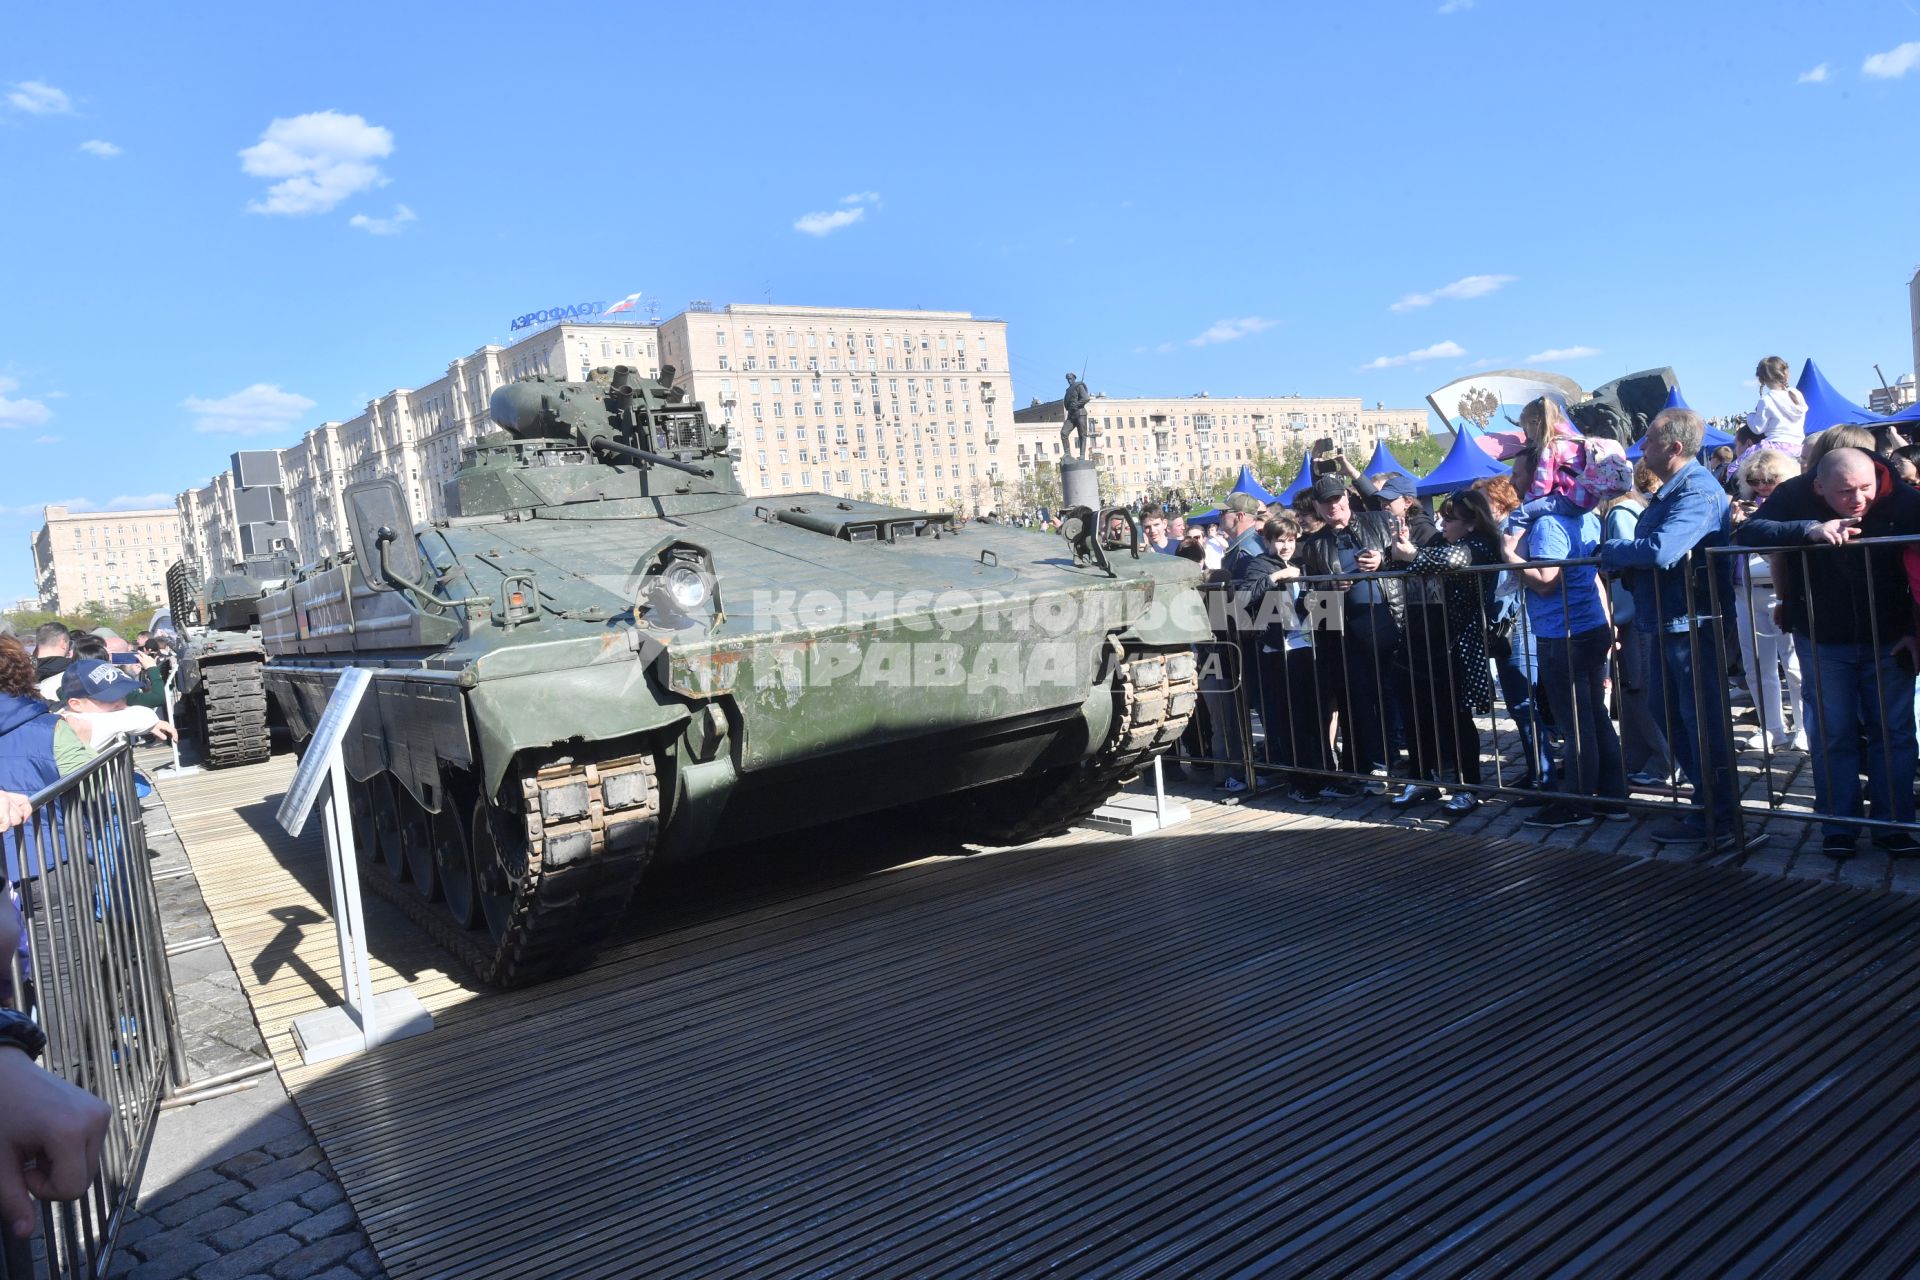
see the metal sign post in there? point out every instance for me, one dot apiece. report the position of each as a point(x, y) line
point(363, 1019)
point(176, 769)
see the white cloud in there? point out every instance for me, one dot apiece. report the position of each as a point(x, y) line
point(1816, 76)
point(20, 413)
point(820, 224)
point(257, 410)
point(139, 501)
point(1551, 354)
point(1463, 288)
point(38, 99)
point(826, 223)
point(1438, 351)
point(1456, 6)
point(1894, 63)
point(384, 226)
point(1231, 330)
point(46, 439)
point(321, 158)
point(95, 147)
point(1487, 362)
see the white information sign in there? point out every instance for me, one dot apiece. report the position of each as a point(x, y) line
point(298, 802)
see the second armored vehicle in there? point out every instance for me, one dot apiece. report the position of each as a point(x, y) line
point(609, 653)
point(222, 693)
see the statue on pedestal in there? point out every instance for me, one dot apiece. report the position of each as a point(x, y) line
point(1075, 403)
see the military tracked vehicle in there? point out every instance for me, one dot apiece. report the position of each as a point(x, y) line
point(221, 695)
point(608, 654)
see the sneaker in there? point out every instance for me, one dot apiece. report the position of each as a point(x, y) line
point(1296, 795)
point(1461, 802)
point(1839, 848)
point(1528, 800)
point(1613, 813)
point(1649, 781)
point(1799, 742)
point(1376, 783)
point(1232, 786)
point(1412, 794)
point(1558, 817)
point(1897, 844)
point(1678, 832)
point(1341, 791)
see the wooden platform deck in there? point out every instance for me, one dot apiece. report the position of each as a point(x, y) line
point(1253, 1045)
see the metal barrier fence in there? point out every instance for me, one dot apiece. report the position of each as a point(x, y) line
point(95, 978)
point(1473, 676)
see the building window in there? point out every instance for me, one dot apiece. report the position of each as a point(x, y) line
point(723, 362)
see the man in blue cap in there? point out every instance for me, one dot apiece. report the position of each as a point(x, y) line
point(95, 710)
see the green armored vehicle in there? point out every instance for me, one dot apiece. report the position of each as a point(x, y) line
point(609, 654)
point(222, 697)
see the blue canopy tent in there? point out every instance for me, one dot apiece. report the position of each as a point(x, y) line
point(1709, 439)
point(1383, 461)
point(1205, 517)
point(1828, 408)
point(1465, 462)
point(1301, 483)
point(1249, 485)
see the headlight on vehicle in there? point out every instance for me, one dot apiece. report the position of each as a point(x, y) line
point(685, 586)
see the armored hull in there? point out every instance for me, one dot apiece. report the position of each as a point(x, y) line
point(656, 665)
point(219, 682)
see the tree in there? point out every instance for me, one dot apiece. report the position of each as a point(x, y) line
point(1039, 487)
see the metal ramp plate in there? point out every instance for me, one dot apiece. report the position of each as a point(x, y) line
point(1244, 1047)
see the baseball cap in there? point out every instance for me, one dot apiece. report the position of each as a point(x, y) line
point(1327, 488)
point(96, 679)
point(1245, 503)
point(1393, 485)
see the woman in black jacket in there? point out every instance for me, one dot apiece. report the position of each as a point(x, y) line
point(1452, 679)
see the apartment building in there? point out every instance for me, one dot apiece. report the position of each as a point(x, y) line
point(105, 556)
point(906, 407)
point(414, 435)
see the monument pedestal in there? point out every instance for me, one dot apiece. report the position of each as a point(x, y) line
point(1079, 483)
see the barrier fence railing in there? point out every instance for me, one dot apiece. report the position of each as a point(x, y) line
point(95, 978)
point(1458, 674)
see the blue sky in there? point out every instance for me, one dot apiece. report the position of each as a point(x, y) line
point(1210, 197)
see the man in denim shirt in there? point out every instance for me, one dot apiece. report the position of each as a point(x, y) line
point(1689, 514)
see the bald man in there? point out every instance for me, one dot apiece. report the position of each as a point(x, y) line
point(1852, 619)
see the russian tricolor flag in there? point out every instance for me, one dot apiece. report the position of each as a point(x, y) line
point(625, 304)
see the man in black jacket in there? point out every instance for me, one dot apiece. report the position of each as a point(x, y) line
point(1355, 654)
point(1851, 615)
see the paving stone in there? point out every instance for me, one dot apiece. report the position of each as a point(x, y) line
point(1769, 859)
point(1812, 866)
point(324, 1196)
point(256, 1257)
point(320, 1254)
point(293, 1142)
point(191, 1185)
point(305, 1156)
point(285, 1189)
point(341, 1272)
point(183, 1259)
point(366, 1263)
point(179, 1211)
point(253, 1226)
point(245, 1161)
point(337, 1220)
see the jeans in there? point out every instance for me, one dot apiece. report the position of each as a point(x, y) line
point(1853, 693)
point(1688, 698)
point(1573, 676)
point(1643, 746)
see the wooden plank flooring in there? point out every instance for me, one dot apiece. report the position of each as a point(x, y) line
point(1257, 1044)
point(269, 899)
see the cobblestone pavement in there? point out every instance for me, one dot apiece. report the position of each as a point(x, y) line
point(235, 1186)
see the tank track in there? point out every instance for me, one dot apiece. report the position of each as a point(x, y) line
point(1154, 695)
point(590, 830)
point(233, 713)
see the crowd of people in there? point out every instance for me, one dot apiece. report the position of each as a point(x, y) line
point(61, 704)
point(1372, 638)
